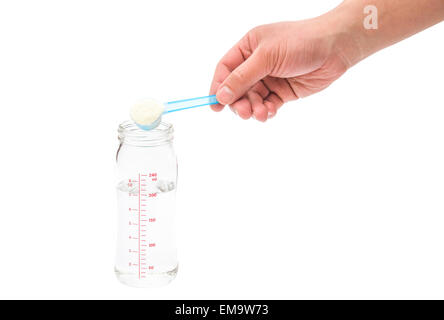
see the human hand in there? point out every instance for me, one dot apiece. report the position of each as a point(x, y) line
point(276, 63)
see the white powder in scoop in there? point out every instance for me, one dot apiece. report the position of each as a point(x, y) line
point(146, 112)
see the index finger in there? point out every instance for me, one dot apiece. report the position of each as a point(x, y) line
point(230, 61)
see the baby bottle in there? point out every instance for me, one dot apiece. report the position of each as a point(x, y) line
point(146, 190)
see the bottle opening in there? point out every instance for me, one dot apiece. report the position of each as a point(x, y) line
point(130, 133)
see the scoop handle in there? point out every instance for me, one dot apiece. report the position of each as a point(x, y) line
point(189, 103)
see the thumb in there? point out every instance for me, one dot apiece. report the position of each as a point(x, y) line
point(243, 78)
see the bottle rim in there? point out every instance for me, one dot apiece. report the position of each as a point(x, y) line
point(130, 133)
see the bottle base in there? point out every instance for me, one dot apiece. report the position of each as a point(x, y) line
point(152, 280)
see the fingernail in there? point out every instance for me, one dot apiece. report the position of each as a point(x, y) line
point(270, 115)
point(224, 95)
point(255, 118)
point(234, 110)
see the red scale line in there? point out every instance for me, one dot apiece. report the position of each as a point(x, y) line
point(139, 226)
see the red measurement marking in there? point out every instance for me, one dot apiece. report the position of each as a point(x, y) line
point(139, 226)
point(143, 243)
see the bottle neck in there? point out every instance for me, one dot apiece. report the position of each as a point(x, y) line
point(130, 134)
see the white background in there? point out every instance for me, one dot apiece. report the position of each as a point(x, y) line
point(339, 196)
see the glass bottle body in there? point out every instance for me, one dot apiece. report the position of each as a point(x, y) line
point(147, 176)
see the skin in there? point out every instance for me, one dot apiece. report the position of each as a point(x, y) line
point(276, 63)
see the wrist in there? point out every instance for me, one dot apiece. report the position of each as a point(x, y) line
point(345, 25)
point(355, 39)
